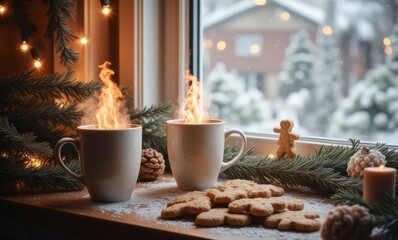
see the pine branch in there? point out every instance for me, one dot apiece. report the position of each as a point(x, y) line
point(299, 171)
point(390, 154)
point(43, 113)
point(230, 152)
point(58, 12)
point(12, 141)
point(153, 133)
point(337, 157)
point(152, 119)
point(58, 85)
point(385, 213)
point(153, 112)
point(45, 177)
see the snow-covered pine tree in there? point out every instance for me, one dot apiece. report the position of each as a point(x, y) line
point(392, 59)
point(327, 74)
point(372, 106)
point(228, 96)
point(298, 65)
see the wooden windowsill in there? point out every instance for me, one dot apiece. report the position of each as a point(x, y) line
point(68, 215)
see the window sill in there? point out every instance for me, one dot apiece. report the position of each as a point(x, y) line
point(265, 144)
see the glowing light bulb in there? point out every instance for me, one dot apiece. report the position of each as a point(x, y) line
point(83, 40)
point(388, 50)
point(260, 2)
point(221, 45)
point(208, 43)
point(387, 41)
point(37, 63)
point(285, 16)
point(106, 10)
point(2, 9)
point(327, 30)
point(254, 48)
point(24, 46)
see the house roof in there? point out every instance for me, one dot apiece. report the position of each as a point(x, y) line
point(307, 11)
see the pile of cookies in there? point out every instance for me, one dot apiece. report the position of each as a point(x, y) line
point(240, 203)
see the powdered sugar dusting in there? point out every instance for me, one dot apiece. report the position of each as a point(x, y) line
point(149, 199)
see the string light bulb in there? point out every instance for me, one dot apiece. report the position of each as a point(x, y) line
point(83, 40)
point(24, 46)
point(37, 63)
point(36, 58)
point(24, 41)
point(3, 9)
point(106, 7)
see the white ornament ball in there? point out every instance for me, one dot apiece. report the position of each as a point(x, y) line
point(362, 159)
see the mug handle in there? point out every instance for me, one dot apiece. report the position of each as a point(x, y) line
point(58, 147)
point(224, 165)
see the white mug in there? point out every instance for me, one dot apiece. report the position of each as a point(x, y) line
point(196, 152)
point(110, 160)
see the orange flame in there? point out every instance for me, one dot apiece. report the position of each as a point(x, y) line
point(381, 167)
point(192, 109)
point(110, 109)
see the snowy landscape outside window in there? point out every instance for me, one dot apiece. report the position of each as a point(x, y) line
point(329, 65)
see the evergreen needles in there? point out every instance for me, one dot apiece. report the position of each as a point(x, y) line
point(385, 213)
point(323, 172)
point(35, 112)
point(59, 12)
point(152, 119)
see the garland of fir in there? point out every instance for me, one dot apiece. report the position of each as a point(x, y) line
point(31, 123)
point(324, 172)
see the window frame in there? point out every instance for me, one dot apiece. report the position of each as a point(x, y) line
point(265, 143)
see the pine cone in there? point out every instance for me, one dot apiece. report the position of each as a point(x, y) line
point(152, 165)
point(347, 222)
point(362, 159)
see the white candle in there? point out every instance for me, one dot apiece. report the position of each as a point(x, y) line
point(378, 181)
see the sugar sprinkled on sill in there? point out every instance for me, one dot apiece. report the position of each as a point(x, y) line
point(150, 198)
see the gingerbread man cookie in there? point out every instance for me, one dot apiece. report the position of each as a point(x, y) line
point(286, 139)
point(294, 220)
point(220, 216)
point(236, 189)
point(264, 206)
point(189, 203)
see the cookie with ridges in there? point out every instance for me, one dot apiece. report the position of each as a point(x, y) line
point(294, 220)
point(264, 206)
point(220, 216)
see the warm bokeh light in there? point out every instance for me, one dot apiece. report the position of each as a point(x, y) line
point(260, 2)
point(271, 156)
point(33, 162)
point(327, 30)
point(221, 45)
point(381, 167)
point(24, 46)
point(207, 43)
point(387, 41)
point(37, 63)
point(255, 49)
point(2, 9)
point(106, 10)
point(388, 50)
point(285, 16)
point(83, 40)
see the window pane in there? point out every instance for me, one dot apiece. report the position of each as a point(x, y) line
point(331, 66)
